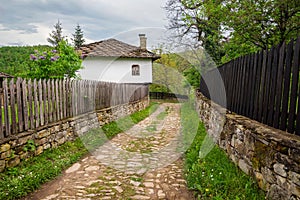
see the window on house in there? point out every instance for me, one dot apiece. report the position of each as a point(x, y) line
point(135, 70)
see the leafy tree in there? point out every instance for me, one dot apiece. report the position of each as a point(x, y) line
point(192, 76)
point(176, 72)
point(251, 24)
point(200, 20)
point(56, 35)
point(62, 62)
point(260, 24)
point(70, 61)
point(78, 37)
point(264, 22)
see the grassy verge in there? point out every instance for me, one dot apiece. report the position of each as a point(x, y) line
point(215, 176)
point(29, 175)
point(99, 136)
point(125, 123)
point(32, 173)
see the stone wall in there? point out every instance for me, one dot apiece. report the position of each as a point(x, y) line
point(269, 155)
point(22, 146)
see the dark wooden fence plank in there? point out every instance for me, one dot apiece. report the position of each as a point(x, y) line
point(235, 103)
point(246, 91)
point(20, 106)
point(40, 99)
point(240, 85)
point(13, 107)
point(279, 87)
point(273, 85)
point(45, 102)
point(54, 104)
point(286, 87)
point(69, 98)
point(253, 83)
point(65, 93)
point(78, 90)
point(25, 104)
point(6, 109)
point(74, 101)
point(60, 98)
point(36, 109)
point(31, 104)
point(76, 98)
point(294, 89)
point(258, 84)
point(57, 100)
point(50, 103)
point(234, 85)
point(266, 97)
point(97, 98)
point(261, 89)
point(81, 97)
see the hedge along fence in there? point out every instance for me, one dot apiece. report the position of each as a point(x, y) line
point(30, 104)
point(264, 86)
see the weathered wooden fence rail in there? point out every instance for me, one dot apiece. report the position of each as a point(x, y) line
point(165, 95)
point(264, 86)
point(30, 104)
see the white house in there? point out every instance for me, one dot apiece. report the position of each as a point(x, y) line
point(115, 61)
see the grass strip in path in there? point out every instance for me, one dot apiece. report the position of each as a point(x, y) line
point(19, 181)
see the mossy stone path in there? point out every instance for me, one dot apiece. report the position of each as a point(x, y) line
point(142, 163)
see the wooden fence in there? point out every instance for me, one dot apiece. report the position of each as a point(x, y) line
point(264, 86)
point(29, 104)
point(165, 95)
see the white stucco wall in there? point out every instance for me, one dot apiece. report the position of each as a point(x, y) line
point(116, 70)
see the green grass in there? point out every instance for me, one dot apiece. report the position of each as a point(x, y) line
point(215, 176)
point(29, 175)
point(19, 181)
point(125, 123)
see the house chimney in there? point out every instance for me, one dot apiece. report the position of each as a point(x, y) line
point(143, 41)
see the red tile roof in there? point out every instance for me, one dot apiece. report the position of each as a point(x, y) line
point(115, 48)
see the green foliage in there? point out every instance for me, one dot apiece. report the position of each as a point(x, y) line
point(69, 60)
point(215, 176)
point(58, 63)
point(227, 29)
point(78, 37)
point(264, 22)
point(168, 74)
point(56, 36)
point(30, 146)
point(98, 136)
point(15, 60)
point(192, 76)
point(158, 87)
point(201, 20)
point(123, 124)
point(29, 175)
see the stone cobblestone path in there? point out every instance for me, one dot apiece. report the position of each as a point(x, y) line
point(142, 163)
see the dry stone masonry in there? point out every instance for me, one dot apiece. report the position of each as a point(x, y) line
point(269, 155)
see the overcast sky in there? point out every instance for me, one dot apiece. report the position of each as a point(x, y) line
point(29, 22)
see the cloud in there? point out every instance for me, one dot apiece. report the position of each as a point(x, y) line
point(98, 18)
